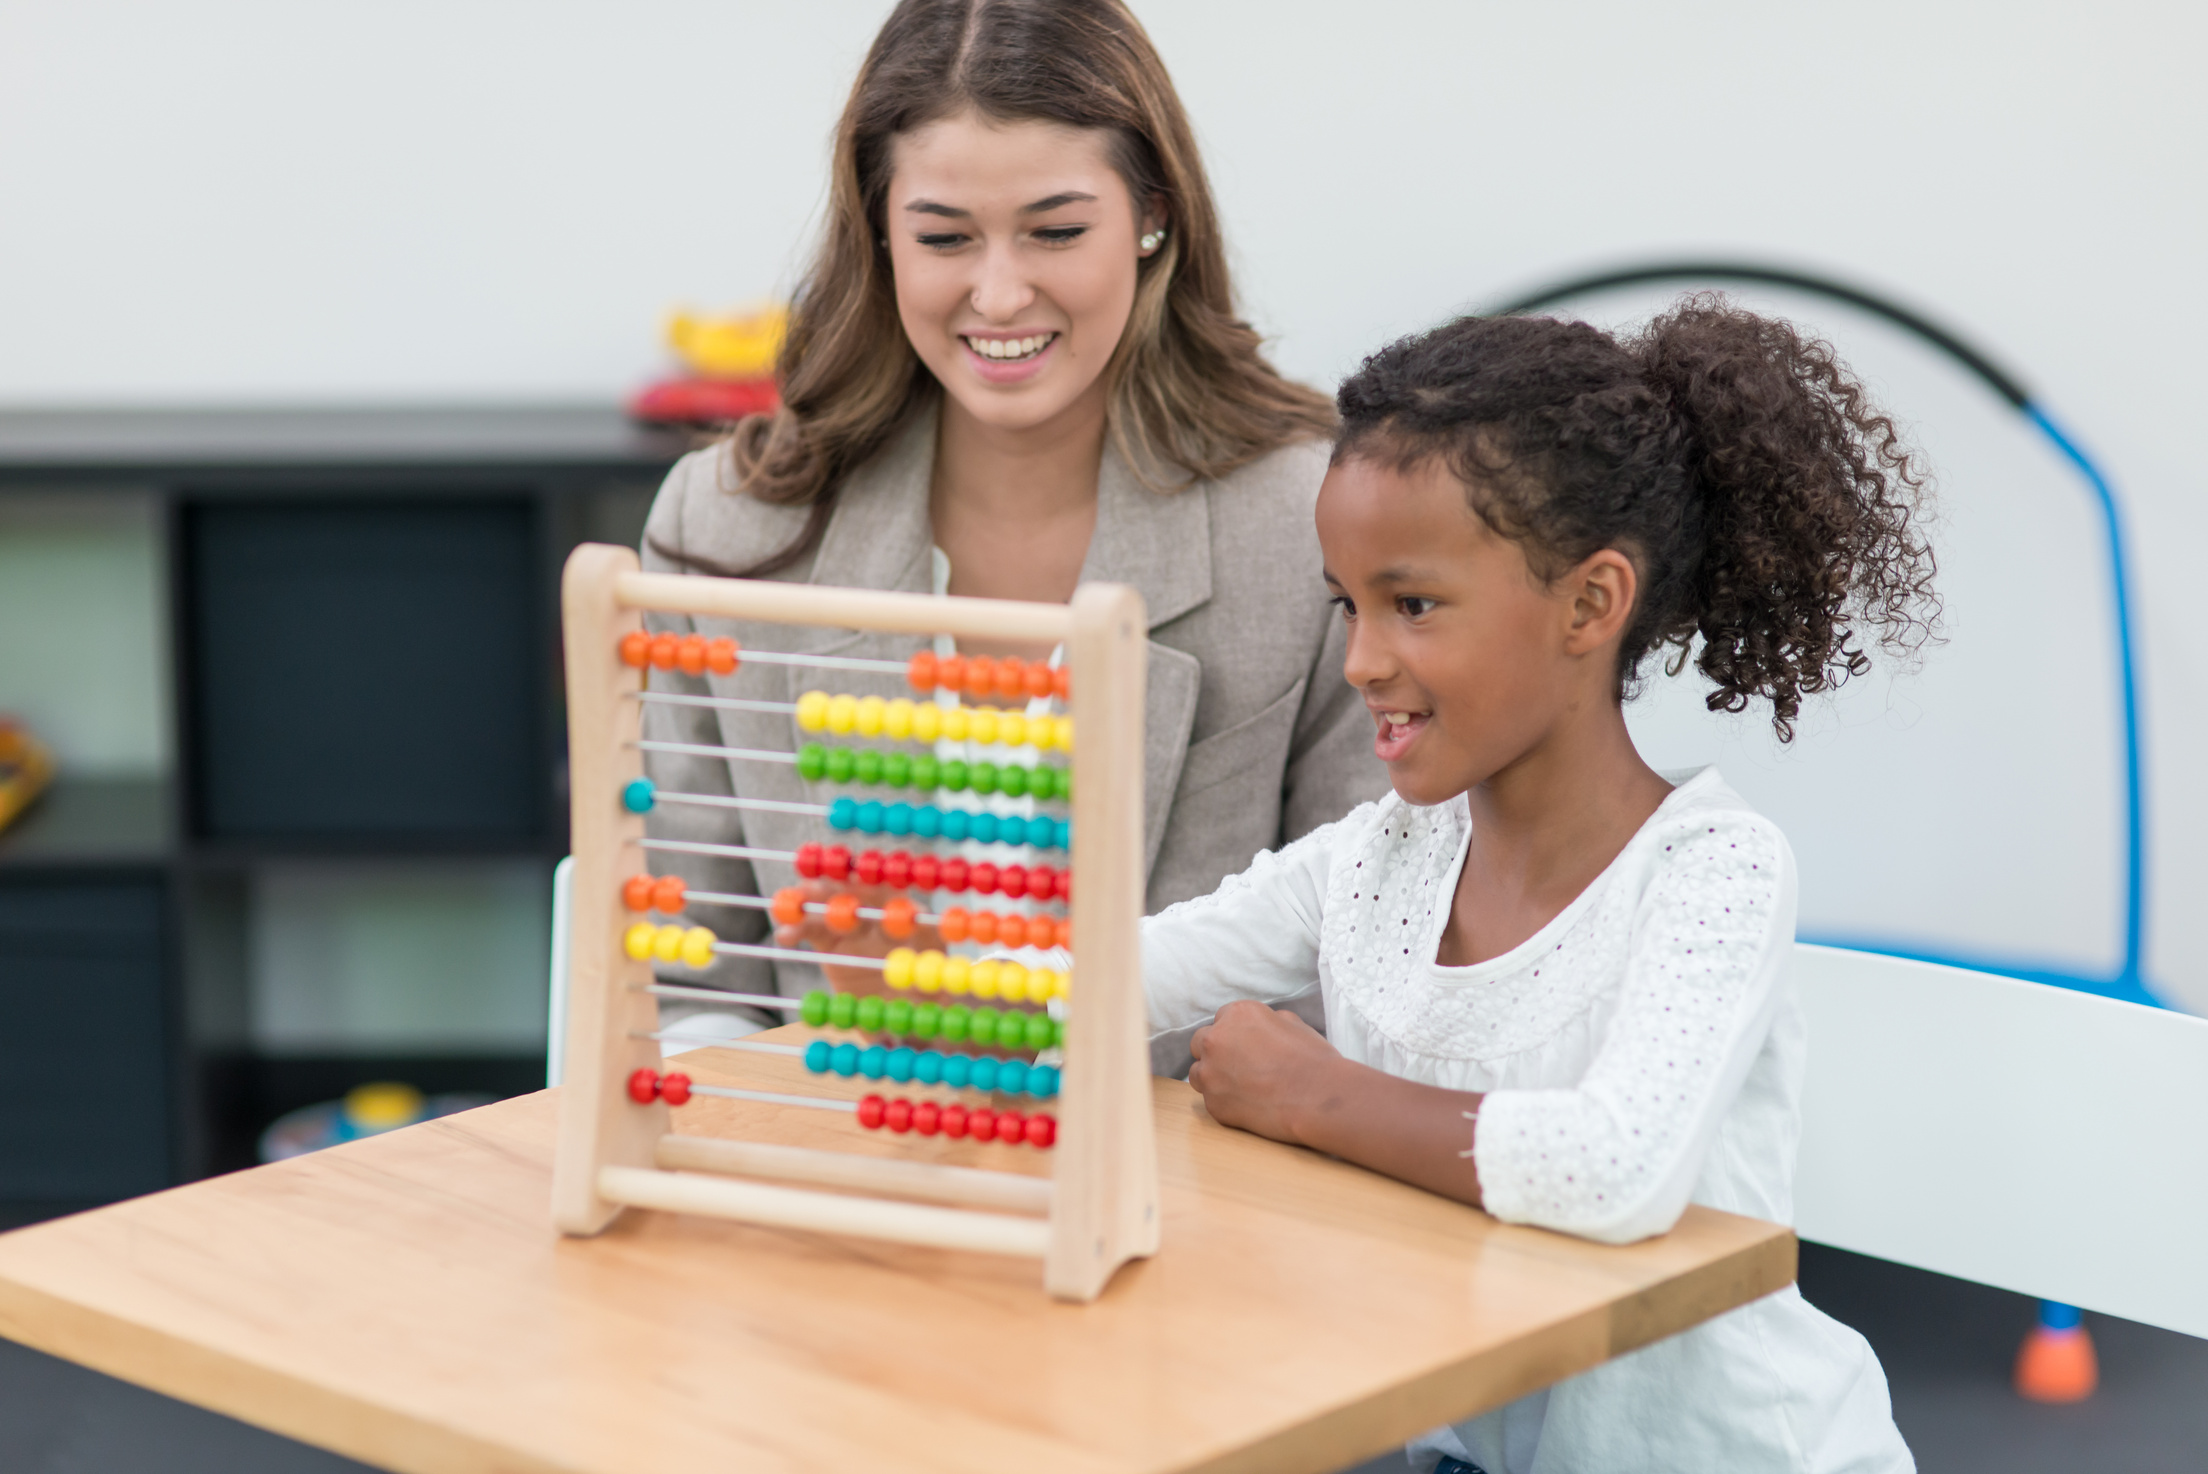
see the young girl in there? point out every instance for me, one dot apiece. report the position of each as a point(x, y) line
point(1554, 981)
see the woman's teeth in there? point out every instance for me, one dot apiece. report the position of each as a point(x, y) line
point(1398, 718)
point(1009, 348)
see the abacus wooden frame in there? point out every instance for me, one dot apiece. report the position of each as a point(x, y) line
point(1102, 1197)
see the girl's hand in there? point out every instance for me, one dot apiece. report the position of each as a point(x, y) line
point(869, 940)
point(1257, 1068)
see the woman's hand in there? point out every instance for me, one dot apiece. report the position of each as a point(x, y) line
point(1256, 1068)
point(868, 940)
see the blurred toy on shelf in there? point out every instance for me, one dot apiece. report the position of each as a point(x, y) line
point(730, 369)
point(366, 1110)
point(2057, 1363)
point(26, 767)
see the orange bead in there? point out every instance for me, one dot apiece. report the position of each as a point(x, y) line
point(1012, 930)
point(983, 929)
point(690, 655)
point(1037, 682)
point(920, 672)
point(664, 648)
point(667, 894)
point(1061, 682)
point(952, 924)
point(981, 676)
point(789, 905)
point(636, 648)
point(843, 913)
point(720, 656)
point(1065, 932)
point(950, 672)
point(636, 894)
point(1011, 678)
point(899, 917)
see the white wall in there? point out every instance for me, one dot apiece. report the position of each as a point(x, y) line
point(245, 200)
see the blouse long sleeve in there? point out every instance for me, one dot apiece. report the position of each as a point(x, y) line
point(1615, 1158)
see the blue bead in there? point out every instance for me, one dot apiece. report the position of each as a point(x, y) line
point(870, 817)
point(927, 821)
point(983, 827)
point(1065, 834)
point(957, 1070)
point(897, 818)
point(927, 1067)
point(955, 823)
point(637, 797)
point(873, 1061)
point(900, 1065)
point(1042, 1081)
point(985, 1073)
point(843, 813)
point(1012, 1076)
point(816, 1056)
point(846, 1060)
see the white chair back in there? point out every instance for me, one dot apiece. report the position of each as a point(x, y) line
point(2023, 1136)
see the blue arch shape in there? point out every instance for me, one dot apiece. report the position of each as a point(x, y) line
point(2130, 982)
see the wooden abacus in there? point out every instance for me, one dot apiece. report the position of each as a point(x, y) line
point(1099, 1207)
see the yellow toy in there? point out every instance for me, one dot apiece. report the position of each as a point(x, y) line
point(26, 767)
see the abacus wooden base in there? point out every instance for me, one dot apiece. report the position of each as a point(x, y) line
point(403, 1300)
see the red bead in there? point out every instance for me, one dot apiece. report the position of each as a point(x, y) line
point(898, 1115)
point(954, 1120)
point(955, 874)
point(843, 913)
point(690, 655)
point(981, 675)
point(1011, 1126)
point(920, 671)
point(981, 1124)
point(1041, 1130)
point(675, 1089)
point(835, 862)
point(869, 867)
point(982, 927)
point(667, 894)
point(1011, 681)
point(808, 860)
point(721, 656)
point(927, 1118)
point(1042, 882)
point(871, 1110)
point(897, 869)
point(983, 878)
point(927, 872)
point(1061, 681)
point(665, 650)
point(950, 672)
point(1062, 885)
point(644, 1086)
point(1038, 680)
point(636, 893)
point(1012, 880)
point(636, 648)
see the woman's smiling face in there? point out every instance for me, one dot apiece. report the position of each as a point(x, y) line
point(1014, 249)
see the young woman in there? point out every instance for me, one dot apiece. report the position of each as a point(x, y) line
point(1015, 365)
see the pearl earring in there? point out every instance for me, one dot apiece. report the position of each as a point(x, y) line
point(1152, 241)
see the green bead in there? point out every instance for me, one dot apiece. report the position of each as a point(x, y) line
point(1057, 1034)
point(812, 762)
point(952, 776)
point(1012, 781)
point(984, 777)
point(870, 1013)
point(957, 1018)
point(927, 1020)
point(866, 766)
point(982, 1028)
point(1063, 782)
point(924, 771)
point(896, 769)
point(814, 1010)
point(1038, 1031)
point(842, 1009)
point(839, 764)
point(897, 1016)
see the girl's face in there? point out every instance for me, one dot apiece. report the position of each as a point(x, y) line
point(1014, 248)
point(1466, 660)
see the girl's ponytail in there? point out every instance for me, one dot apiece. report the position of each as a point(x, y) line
point(1769, 508)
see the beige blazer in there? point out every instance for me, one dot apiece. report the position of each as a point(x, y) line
point(1254, 738)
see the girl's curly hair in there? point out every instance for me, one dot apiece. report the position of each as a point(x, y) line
point(1768, 507)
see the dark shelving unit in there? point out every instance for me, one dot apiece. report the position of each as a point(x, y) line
point(363, 648)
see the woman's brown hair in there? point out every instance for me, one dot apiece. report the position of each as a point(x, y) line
point(1190, 394)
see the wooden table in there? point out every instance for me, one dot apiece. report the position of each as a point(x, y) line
point(404, 1301)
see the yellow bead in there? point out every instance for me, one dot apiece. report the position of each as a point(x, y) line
point(982, 725)
point(897, 720)
point(1062, 733)
point(1061, 984)
point(812, 711)
point(927, 973)
point(927, 721)
point(869, 718)
point(1012, 982)
point(1011, 728)
point(897, 967)
point(667, 944)
point(637, 940)
point(983, 978)
point(697, 947)
point(843, 711)
point(954, 723)
point(955, 970)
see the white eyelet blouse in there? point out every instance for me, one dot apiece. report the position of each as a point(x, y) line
point(1641, 1051)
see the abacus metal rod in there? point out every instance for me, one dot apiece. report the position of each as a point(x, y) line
point(721, 801)
point(700, 749)
point(721, 703)
point(824, 662)
point(704, 1043)
point(798, 954)
point(716, 995)
point(812, 908)
point(700, 847)
point(774, 1097)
